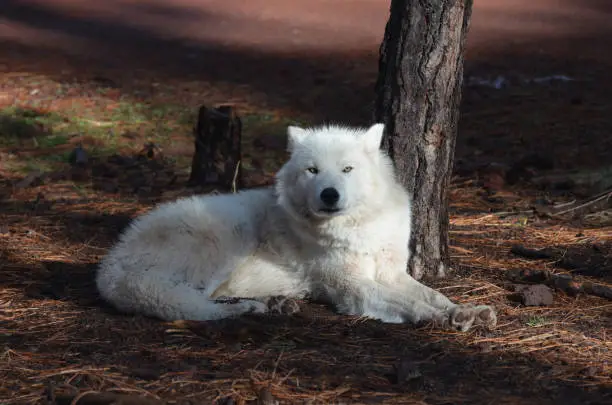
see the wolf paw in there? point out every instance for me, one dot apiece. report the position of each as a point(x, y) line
point(441, 320)
point(485, 316)
point(282, 305)
point(464, 317)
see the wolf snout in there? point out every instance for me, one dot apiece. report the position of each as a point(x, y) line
point(330, 197)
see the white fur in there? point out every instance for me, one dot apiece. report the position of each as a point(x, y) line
point(174, 261)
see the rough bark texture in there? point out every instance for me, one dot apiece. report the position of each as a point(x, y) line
point(217, 149)
point(418, 96)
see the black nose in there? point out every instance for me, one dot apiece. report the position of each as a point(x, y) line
point(330, 196)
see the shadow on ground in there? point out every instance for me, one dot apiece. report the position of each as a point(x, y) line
point(321, 352)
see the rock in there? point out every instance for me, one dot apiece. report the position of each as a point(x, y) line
point(534, 295)
point(78, 157)
point(31, 180)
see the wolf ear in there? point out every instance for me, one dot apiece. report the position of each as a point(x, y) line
point(373, 137)
point(295, 136)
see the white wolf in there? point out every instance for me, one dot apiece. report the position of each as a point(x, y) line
point(335, 227)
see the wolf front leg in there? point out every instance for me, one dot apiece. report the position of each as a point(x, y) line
point(460, 317)
point(398, 304)
point(369, 298)
point(391, 266)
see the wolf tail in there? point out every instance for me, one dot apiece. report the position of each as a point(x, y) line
point(158, 296)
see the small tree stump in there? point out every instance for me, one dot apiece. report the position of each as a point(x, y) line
point(218, 134)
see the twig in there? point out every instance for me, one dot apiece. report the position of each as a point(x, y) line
point(234, 179)
point(563, 259)
point(562, 282)
point(536, 254)
point(603, 196)
point(276, 363)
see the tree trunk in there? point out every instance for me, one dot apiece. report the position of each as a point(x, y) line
point(217, 154)
point(418, 96)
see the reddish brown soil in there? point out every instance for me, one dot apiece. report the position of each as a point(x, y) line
point(316, 59)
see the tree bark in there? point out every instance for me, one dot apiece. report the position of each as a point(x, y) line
point(217, 154)
point(418, 96)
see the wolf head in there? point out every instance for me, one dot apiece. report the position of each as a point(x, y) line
point(334, 171)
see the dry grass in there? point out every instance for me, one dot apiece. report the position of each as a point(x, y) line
point(60, 340)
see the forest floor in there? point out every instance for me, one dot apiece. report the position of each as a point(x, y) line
point(118, 75)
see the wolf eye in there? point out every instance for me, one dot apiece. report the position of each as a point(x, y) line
point(347, 169)
point(313, 170)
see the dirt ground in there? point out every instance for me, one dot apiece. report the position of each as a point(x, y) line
point(115, 75)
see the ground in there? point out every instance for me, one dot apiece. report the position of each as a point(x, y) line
point(118, 74)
